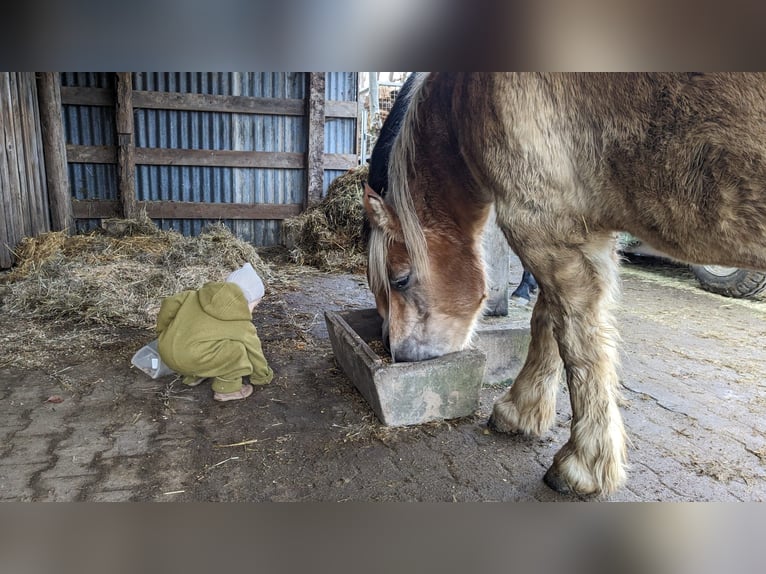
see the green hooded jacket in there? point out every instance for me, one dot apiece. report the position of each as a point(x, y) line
point(210, 333)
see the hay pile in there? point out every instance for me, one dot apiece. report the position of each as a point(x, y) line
point(118, 275)
point(329, 235)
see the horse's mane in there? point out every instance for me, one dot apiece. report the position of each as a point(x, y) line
point(401, 161)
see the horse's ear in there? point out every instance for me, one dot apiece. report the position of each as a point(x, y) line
point(380, 214)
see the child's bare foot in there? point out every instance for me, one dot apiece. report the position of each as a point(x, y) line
point(244, 392)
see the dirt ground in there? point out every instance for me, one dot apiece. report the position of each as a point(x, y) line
point(77, 423)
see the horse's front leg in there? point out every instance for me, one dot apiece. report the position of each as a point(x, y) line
point(585, 284)
point(529, 405)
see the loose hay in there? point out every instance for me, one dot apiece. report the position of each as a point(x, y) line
point(118, 275)
point(329, 235)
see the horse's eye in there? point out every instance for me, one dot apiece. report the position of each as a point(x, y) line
point(401, 283)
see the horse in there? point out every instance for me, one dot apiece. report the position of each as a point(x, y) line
point(569, 160)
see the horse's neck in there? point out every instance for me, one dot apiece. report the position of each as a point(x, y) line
point(451, 193)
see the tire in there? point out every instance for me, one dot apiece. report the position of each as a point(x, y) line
point(729, 281)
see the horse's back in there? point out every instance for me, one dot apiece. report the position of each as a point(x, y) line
point(677, 159)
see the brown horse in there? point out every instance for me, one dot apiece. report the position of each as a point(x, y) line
point(568, 160)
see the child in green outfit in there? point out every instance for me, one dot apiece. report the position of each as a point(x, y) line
point(209, 333)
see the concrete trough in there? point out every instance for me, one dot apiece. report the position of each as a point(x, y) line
point(505, 341)
point(443, 388)
point(404, 393)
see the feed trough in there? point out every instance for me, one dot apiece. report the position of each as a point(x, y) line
point(404, 393)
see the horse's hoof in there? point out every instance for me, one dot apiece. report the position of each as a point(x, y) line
point(491, 423)
point(554, 479)
point(557, 482)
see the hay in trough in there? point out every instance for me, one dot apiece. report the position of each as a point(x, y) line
point(329, 235)
point(119, 274)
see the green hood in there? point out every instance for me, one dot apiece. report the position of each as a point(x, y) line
point(224, 301)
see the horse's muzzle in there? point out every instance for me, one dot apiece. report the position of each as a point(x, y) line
point(409, 352)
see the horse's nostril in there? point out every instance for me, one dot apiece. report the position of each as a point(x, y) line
point(386, 342)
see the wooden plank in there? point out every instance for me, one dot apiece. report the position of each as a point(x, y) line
point(190, 157)
point(35, 164)
point(315, 115)
point(95, 209)
point(8, 237)
point(126, 160)
point(54, 151)
point(193, 210)
point(12, 187)
point(24, 199)
point(340, 161)
point(75, 96)
point(219, 158)
point(341, 109)
point(188, 102)
point(215, 103)
point(91, 153)
point(28, 193)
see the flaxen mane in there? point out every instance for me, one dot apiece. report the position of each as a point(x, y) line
point(402, 162)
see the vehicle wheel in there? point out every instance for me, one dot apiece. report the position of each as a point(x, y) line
point(729, 281)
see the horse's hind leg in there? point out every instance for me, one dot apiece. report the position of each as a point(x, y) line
point(529, 406)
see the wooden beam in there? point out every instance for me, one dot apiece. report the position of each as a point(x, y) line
point(76, 96)
point(226, 104)
point(189, 102)
point(219, 158)
point(91, 153)
point(54, 151)
point(10, 214)
point(96, 209)
point(340, 161)
point(10, 192)
point(341, 109)
point(126, 161)
point(190, 157)
point(315, 114)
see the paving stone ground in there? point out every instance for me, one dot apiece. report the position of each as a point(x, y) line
point(692, 371)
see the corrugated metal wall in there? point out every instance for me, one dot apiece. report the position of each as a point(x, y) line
point(91, 125)
point(340, 133)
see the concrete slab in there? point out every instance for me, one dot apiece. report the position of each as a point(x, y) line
point(504, 340)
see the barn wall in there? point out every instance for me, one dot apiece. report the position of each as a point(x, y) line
point(23, 191)
point(340, 133)
point(284, 136)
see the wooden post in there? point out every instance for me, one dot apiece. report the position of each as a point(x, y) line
point(54, 151)
point(126, 160)
point(315, 103)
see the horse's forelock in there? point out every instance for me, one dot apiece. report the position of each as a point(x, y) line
point(401, 162)
point(377, 272)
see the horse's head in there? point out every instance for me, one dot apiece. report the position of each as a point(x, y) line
point(428, 281)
